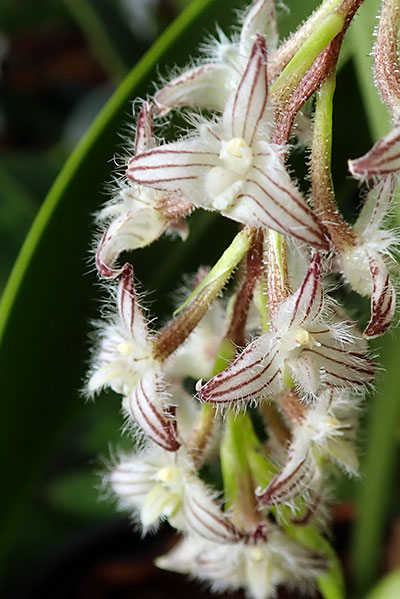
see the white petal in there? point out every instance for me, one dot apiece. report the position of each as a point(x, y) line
point(299, 472)
point(382, 159)
point(132, 481)
point(305, 371)
point(204, 517)
point(304, 307)
point(145, 139)
point(134, 229)
point(182, 557)
point(247, 108)
point(375, 208)
point(345, 364)
point(260, 19)
point(269, 198)
point(178, 167)
point(205, 86)
point(159, 502)
point(383, 299)
point(343, 453)
point(145, 406)
point(253, 375)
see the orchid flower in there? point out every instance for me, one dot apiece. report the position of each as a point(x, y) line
point(327, 431)
point(210, 85)
point(138, 215)
point(231, 168)
point(257, 565)
point(126, 365)
point(164, 485)
point(305, 343)
point(366, 264)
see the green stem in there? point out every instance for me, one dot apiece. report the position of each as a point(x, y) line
point(301, 62)
point(321, 176)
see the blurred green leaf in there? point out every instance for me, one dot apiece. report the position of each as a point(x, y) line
point(80, 494)
point(387, 588)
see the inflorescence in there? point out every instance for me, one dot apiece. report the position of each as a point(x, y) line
point(279, 356)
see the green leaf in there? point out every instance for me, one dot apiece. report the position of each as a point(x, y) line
point(387, 588)
point(49, 298)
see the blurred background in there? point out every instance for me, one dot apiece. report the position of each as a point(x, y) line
point(60, 61)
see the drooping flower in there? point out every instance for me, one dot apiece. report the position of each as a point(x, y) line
point(211, 84)
point(258, 566)
point(366, 264)
point(125, 364)
point(306, 343)
point(163, 485)
point(231, 168)
point(382, 160)
point(138, 215)
point(327, 430)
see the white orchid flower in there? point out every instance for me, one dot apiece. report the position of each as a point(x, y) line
point(366, 265)
point(327, 431)
point(230, 167)
point(258, 566)
point(163, 485)
point(306, 343)
point(210, 84)
point(138, 215)
point(125, 364)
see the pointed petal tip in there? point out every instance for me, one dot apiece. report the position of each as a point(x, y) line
point(105, 269)
point(144, 138)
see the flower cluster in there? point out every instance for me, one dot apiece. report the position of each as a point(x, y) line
point(280, 348)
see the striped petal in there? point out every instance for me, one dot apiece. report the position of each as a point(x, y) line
point(132, 480)
point(130, 313)
point(305, 306)
point(247, 107)
point(375, 208)
point(299, 473)
point(144, 406)
point(383, 158)
point(270, 199)
point(383, 299)
point(206, 86)
point(261, 20)
point(305, 371)
point(204, 517)
point(177, 167)
point(254, 374)
point(134, 229)
point(345, 364)
point(144, 139)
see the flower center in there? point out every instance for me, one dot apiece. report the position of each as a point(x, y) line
point(256, 555)
point(169, 475)
point(223, 183)
point(236, 155)
point(303, 337)
point(125, 348)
